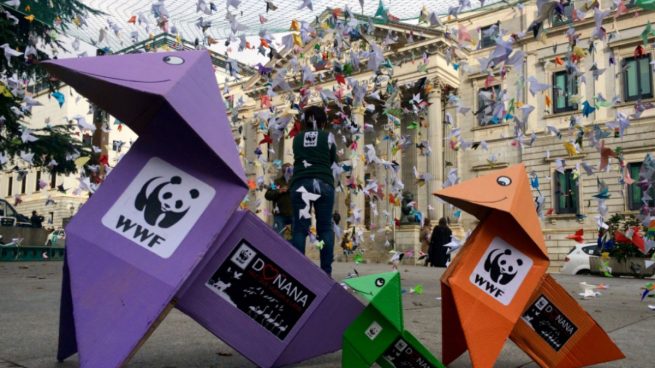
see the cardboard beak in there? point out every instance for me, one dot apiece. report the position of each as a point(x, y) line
point(506, 190)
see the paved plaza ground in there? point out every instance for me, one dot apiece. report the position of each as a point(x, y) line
point(29, 312)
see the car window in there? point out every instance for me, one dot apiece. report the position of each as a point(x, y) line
point(589, 249)
point(10, 212)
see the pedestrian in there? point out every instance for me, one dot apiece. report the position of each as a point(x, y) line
point(279, 194)
point(441, 235)
point(424, 235)
point(312, 184)
point(36, 219)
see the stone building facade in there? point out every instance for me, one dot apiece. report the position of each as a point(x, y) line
point(569, 203)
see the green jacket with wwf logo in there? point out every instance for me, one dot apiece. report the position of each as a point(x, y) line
point(314, 153)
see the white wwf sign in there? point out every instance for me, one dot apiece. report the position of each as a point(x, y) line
point(501, 271)
point(159, 208)
point(373, 330)
point(310, 139)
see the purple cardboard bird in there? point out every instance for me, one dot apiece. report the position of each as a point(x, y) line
point(165, 216)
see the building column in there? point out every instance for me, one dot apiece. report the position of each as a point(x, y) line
point(357, 200)
point(436, 140)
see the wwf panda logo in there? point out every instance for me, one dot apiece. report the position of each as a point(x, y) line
point(159, 207)
point(310, 139)
point(501, 270)
point(164, 202)
point(501, 266)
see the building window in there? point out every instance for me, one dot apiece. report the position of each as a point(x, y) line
point(636, 193)
point(565, 18)
point(53, 180)
point(564, 86)
point(10, 186)
point(637, 78)
point(486, 105)
point(487, 36)
point(38, 180)
point(566, 192)
point(87, 139)
point(23, 185)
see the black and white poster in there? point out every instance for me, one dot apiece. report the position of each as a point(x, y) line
point(159, 207)
point(501, 271)
point(549, 323)
point(402, 355)
point(252, 283)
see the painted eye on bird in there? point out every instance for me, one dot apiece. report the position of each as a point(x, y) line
point(503, 181)
point(379, 282)
point(173, 60)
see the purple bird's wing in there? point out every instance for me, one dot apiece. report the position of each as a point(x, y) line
point(265, 299)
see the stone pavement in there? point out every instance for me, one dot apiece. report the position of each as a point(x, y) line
point(29, 312)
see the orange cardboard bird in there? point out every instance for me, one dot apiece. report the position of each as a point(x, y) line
point(495, 275)
point(490, 281)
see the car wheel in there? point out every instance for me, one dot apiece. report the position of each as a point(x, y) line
point(583, 272)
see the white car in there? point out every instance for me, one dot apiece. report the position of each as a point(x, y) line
point(577, 261)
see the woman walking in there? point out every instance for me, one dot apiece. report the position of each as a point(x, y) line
point(441, 235)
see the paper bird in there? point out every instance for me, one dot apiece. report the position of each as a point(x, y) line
point(306, 4)
point(270, 6)
point(605, 154)
point(307, 198)
point(146, 228)
point(536, 86)
point(454, 244)
point(492, 280)
point(578, 236)
point(648, 289)
point(591, 291)
point(587, 109)
point(9, 52)
point(83, 124)
point(27, 137)
point(378, 335)
point(14, 3)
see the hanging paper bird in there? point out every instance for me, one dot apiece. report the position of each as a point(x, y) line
point(570, 148)
point(270, 6)
point(587, 109)
point(60, 97)
point(578, 236)
point(605, 154)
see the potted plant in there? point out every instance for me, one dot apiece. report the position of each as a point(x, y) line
point(621, 249)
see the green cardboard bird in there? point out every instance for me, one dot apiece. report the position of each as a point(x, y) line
point(378, 335)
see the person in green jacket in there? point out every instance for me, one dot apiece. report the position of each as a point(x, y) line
point(312, 184)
